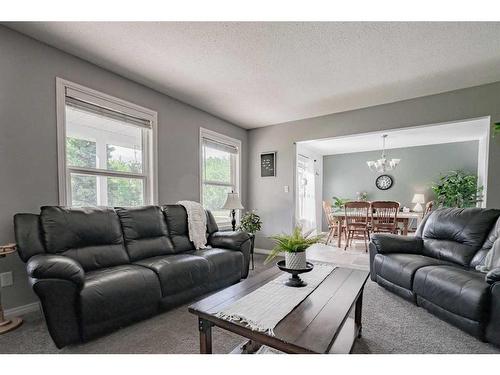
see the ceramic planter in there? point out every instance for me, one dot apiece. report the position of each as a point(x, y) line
point(295, 261)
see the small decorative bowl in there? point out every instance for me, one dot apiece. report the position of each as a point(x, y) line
point(295, 281)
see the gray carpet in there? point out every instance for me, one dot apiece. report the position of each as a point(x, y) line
point(390, 325)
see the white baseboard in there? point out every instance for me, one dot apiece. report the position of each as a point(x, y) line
point(261, 251)
point(23, 310)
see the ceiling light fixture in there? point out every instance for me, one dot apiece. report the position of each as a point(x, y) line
point(383, 164)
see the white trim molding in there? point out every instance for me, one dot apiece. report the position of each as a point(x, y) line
point(88, 95)
point(24, 309)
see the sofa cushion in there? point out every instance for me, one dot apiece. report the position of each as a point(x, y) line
point(457, 290)
point(176, 217)
point(400, 269)
point(91, 236)
point(456, 234)
point(222, 263)
point(178, 272)
point(145, 232)
point(117, 291)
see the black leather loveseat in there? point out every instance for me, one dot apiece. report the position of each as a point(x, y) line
point(436, 268)
point(97, 269)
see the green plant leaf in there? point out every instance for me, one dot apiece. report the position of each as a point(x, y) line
point(457, 189)
point(293, 243)
point(250, 222)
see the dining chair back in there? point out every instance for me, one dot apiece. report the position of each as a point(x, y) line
point(356, 221)
point(327, 209)
point(384, 216)
point(428, 208)
point(356, 212)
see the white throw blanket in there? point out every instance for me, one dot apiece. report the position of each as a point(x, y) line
point(197, 223)
point(266, 306)
point(492, 259)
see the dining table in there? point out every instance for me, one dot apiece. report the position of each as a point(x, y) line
point(403, 217)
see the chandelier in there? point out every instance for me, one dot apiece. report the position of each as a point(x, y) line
point(383, 164)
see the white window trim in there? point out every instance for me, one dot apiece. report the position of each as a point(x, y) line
point(112, 103)
point(210, 134)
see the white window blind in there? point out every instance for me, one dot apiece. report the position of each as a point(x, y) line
point(104, 112)
point(106, 149)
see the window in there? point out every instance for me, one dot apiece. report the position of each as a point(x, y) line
point(220, 171)
point(106, 149)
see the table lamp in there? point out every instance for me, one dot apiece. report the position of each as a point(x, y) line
point(233, 203)
point(419, 199)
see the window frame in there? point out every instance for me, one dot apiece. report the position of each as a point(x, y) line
point(149, 140)
point(235, 172)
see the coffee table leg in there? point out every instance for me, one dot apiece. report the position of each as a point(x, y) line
point(205, 328)
point(357, 312)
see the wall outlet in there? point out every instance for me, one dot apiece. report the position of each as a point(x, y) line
point(287, 188)
point(6, 279)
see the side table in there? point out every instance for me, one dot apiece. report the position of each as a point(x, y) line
point(7, 325)
point(252, 238)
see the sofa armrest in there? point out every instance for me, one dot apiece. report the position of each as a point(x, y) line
point(228, 240)
point(41, 267)
point(58, 281)
point(493, 276)
point(238, 241)
point(492, 333)
point(392, 243)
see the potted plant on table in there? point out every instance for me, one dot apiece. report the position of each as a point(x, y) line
point(338, 203)
point(294, 246)
point(250, 223)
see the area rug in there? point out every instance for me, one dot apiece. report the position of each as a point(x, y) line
point(390, 325)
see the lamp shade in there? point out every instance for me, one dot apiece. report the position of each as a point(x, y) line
point(233, 202)
point(418, 198)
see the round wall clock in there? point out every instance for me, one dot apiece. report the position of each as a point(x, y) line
point(384, 182)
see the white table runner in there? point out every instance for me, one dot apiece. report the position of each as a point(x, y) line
point(266, 306)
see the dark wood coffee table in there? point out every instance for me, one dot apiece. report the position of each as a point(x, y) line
point(327, 321)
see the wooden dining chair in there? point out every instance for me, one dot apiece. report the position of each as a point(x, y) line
point(333, 222)
point(384, 216)
point(428, 208)
point(356, 222)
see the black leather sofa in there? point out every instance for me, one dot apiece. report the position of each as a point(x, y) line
point(436, 268)
point(98, 269)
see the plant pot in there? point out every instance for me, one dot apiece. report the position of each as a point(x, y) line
point(295, 261)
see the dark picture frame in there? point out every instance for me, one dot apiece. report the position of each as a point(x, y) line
point(268, 164)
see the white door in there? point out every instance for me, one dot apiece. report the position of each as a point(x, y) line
point(306, 203)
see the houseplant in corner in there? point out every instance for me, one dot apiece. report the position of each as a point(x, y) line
point(294, 246)
point(496, 128)
point(458, 189)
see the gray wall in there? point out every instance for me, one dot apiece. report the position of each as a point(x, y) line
point(28, 158)
point(346, 174)
point(277, 207)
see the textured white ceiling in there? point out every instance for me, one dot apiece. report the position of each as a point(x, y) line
point(257, 74)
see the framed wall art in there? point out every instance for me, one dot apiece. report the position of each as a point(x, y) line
point(268, 164)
